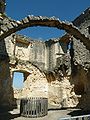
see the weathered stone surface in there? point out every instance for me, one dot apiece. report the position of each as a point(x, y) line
point(6, 90)
point(61, 94)
point(25, 20)
point(4, 28)
point(35, 84)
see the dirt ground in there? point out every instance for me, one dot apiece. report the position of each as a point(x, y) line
point(54, 114)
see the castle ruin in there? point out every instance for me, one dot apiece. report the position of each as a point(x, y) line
point(58, 69)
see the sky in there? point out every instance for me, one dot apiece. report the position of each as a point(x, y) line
point(63, 9)
point(66, 10)
point(18, 80)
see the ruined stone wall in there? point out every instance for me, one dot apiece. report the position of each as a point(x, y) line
point(55, 51)
point(35, 82)
point(44, 55)
point(61, 93)
point(80, 72)
point(33, 51)
point(58, 90)
point(38, 54)
point(17, 49)
point(56, 86)
point(85, 28)
point(6, 90)
point(50, 69)
point(81, 67)
point(22, 56)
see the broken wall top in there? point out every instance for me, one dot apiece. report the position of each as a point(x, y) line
point(82, 18)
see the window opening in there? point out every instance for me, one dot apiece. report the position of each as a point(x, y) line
point(18, 79)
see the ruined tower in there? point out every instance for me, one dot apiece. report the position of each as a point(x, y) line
point(2, 6)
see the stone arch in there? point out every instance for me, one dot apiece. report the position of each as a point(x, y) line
point(30, 21)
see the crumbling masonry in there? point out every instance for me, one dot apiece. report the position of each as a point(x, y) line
point(58, 69)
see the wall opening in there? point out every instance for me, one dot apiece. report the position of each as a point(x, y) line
point(18, 79)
